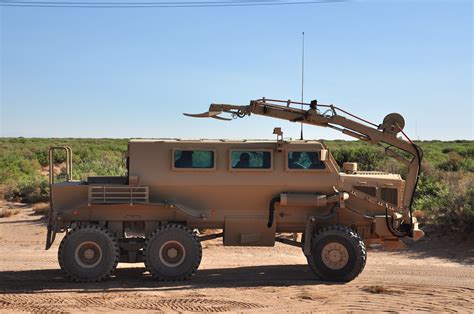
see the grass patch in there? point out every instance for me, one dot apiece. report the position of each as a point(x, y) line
point(5, 212)
point(41, 209)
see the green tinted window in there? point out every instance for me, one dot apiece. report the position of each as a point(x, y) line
point(305, 160)
point(251, 160)
point(193, 159)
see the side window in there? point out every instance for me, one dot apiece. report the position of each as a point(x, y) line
point(251, 159)
point(305, 160)
point(200, 159)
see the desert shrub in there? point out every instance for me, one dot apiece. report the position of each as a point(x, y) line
point(23, 163)
point(5, 212)
point(467, 152)
point(456, 162)
point(41, 209)
point(447, 200)
point(447, 150)
point(391, 165)
point(29, 190)
point(368, 158)
point(429, 193)
point(42, 157)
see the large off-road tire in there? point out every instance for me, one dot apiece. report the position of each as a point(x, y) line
point(172, 252)
point(337, 254)
point(88, 253)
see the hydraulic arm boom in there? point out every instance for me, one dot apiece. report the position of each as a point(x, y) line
point(331, 116)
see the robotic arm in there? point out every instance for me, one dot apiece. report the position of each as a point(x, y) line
point(385, 135)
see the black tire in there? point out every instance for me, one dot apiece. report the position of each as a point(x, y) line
point(88, 253)
point(337, 254)
point(172, 252)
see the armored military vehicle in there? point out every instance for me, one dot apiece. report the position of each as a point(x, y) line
point(252, 191)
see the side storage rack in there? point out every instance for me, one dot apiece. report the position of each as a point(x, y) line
point(109, 194)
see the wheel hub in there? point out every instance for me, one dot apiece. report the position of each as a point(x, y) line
point(172, 253)
point(335, 255)
point(88, 254)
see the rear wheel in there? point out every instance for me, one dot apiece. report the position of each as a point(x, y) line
point(172, 252)
point(337, 254)
point(88, 253)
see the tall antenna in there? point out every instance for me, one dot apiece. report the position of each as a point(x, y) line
point(416, 130)
point(302, 82)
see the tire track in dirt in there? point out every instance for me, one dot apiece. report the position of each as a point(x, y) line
point(450, 272)
point(110, 301)
point(361, 297)
point(391, 297)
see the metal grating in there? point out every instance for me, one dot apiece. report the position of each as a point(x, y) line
point(118, 194)
point(371, 190)
point(390, 195)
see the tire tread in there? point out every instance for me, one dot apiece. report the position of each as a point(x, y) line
point(98, 229)
point(173, 226)
point(361, 253)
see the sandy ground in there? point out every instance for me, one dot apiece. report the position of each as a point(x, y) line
point(436, 274)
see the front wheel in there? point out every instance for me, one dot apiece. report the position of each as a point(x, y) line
point(172, 252)
point(337, 254)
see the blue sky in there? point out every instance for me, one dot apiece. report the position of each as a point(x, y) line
point(77, 72)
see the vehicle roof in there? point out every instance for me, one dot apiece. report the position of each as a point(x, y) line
point(178, 140)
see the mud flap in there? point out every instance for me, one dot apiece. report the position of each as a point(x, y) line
point(308, 236)
point(51, 234)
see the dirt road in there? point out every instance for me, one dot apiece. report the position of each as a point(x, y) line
point(429, 276)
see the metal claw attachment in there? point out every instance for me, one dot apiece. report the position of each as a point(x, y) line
point(207, 114)
point(236, 111)
point(221, 118)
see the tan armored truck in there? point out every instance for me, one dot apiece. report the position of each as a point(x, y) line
point(251, 190)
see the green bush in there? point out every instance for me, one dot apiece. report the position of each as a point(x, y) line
point(429, 193)
point(368, 158)
point(29, 191)
point(24, 164)
point(456, 162)
point(447, 198)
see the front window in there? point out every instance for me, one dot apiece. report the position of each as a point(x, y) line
point(301, 160)
point(200, 159)
point(250, 159)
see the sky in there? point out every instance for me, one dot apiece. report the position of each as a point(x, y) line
point(131, 73)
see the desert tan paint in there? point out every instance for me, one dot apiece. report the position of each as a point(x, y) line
point(224, 198)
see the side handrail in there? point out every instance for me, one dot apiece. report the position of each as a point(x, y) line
point(51, 234)
point(68, 151)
